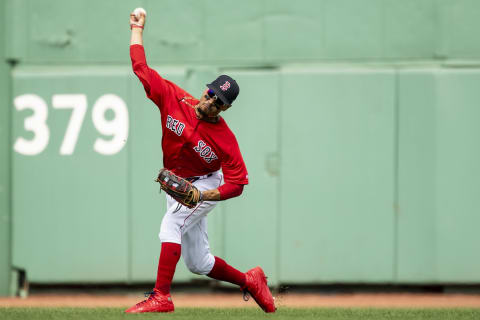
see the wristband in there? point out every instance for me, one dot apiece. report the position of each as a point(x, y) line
point(133, 25)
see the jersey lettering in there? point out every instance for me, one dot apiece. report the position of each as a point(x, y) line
point(205, 151)
point(212, 157)
point(175, 125)
point(200, 146)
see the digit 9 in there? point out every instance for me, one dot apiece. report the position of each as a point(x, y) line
point(116, 127)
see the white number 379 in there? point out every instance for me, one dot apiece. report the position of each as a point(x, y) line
point(37, 123)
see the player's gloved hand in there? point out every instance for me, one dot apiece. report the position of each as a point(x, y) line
point(180, 189)
point(138, 21)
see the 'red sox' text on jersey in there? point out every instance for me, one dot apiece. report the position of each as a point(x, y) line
point(191, 147)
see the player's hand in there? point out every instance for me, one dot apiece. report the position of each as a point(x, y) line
point(140, 21)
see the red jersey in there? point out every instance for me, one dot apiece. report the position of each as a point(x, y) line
point(191, 147)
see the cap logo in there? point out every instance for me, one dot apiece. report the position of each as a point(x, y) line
point(225, 86)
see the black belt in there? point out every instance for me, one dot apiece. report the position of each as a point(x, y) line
point(193, 179)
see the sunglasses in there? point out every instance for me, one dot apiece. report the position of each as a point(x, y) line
point(216, 99)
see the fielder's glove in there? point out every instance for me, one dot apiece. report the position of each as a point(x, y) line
point(180, 189)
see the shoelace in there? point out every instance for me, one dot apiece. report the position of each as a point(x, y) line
point(146, 294)
point(179, 206)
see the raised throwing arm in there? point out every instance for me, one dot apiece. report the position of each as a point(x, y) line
point(137, 23)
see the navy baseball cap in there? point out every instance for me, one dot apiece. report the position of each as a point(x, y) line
point(225, 88)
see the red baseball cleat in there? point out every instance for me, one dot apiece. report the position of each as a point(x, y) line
point(156, 302)
point(256, 285)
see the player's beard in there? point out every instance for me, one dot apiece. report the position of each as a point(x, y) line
point(207, 112)
point(206, 116)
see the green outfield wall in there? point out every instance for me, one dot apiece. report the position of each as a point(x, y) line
point(357, 120)
point(247, 32)
point(5, 217)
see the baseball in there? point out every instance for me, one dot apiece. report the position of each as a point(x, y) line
point(139, 11)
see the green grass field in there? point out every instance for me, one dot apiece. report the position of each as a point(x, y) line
point(231, 314)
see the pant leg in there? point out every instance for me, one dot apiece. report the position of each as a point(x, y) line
point(196, 249)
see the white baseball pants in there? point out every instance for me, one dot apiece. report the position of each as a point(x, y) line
point(188, 227)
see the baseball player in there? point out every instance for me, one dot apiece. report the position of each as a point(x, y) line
point(198, 146)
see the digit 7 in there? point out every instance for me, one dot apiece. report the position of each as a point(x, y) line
point(78, 104)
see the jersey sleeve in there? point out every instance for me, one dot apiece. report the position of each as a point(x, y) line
point(230, 190)
point(158, 89)
point(233, 166)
